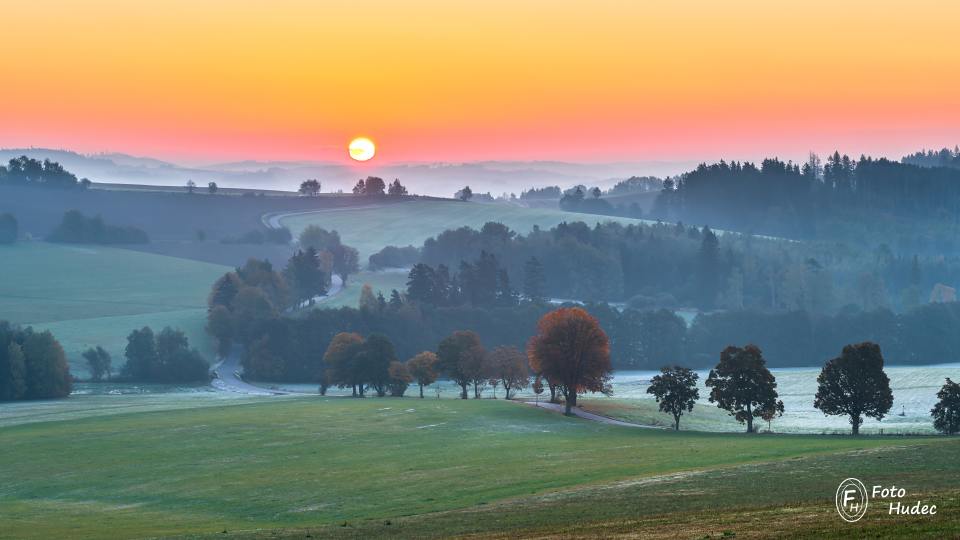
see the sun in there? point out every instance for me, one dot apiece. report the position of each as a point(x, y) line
point(362, 149)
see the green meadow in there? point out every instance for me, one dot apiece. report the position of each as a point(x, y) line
point(370, 228)
point(95, 295)
point(432, 467)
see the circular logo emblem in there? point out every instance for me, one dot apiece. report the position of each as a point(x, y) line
point(851, 500)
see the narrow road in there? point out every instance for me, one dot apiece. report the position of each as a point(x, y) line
point(576, 411)
point(227, 377)
point(336, 285)
point(272, 221)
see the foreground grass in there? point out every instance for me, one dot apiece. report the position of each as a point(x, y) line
point(461, 467)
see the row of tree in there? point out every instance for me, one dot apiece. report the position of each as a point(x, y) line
point(161, 358)
point(76, 228)
point(639, 338)
point(374, 186)
point(671, 266)
point(839, 198)
point(32, 365)
point(853, 384)
point(24, 171)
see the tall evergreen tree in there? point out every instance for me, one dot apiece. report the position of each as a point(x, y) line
point(534, 281)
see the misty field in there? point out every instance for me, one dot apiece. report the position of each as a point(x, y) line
point(370, 228)
point(914, 391)
point(405, 466)
point(95, 295)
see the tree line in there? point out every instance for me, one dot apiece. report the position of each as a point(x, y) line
point(568, 350)
point(422, 314)
point(25, 171)
point(661, 265)
point(32, 365)
point(852, 384)
point(76, 228)
point(853, 199)
point(164, 357)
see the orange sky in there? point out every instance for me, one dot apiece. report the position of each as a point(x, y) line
point(450, 81)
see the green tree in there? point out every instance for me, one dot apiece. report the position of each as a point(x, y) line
point(946, 413)
point(855, 385)
point(452, 351)
point(141, 354)
point(310, 187)
point(396, 301)
point(508, 366)
point(341, 359)
point(346, 261)
point(318, 238)
point(675, 389)
point(304, 275)
point(397, 189)
point(47, 374)
point(375, 357)
point(13, 372)
point(421, 368)
point(742, 385)
point(420, 283)
point(374, 186)
point(98, 363)
point(534, 281)
point(708, 272)
point(400, 378)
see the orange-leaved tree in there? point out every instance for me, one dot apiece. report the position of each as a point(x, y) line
point(571, 350)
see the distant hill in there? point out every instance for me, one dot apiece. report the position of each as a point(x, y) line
point(436, 179)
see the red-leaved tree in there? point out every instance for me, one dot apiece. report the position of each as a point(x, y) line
point(571, 350)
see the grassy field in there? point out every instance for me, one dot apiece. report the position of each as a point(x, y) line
point(378, 281)
point(95, 295)
point(370, 228)
point(426, 468)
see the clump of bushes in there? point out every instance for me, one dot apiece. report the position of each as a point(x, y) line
point(76, 228)
point(394, 257)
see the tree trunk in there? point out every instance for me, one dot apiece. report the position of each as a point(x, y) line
point(361, 389)
point(476, 391)
point(749, 419)
point(463, 391)
point(855, 421)
point(354, 390)
point(553, 393)
point(676, 422)
point(570, 399)
point(421, 391)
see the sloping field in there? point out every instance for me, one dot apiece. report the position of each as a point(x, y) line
point(95, 295)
